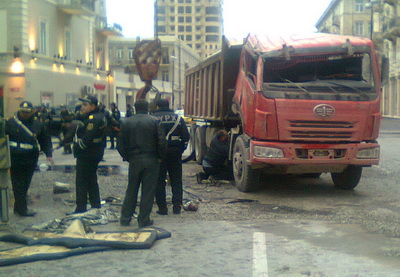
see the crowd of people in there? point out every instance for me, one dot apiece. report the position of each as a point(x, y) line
point(152, 144)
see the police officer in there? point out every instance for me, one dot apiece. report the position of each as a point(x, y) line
point(89, 149)
point(113, 124)
point(177, 137)
point(26, 134)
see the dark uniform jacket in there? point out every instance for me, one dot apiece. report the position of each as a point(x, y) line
point(141, 135)
point(218, 153)
point(24, 145)
point(90, 136)
point(179, 138)
point(113, 120)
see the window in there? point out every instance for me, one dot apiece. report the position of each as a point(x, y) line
point(198, 18)
point(188, 9)
point(198, 9)
point(161, 18)
point(212, 18)
point(68, 44)
point(172, 18)
point(213, 38)
point(120, 53)
point(43, 47)
point(359, 28)
point(180, 1)
point(198, 46)
point(181, 28)
point(188, 19)
point(161, 29)
point(181, 37)
point(161, 10)
point(212, 29)
point(164, 55)
point(198, 37)
point(212, 10)
point(180, 9)
point(172, 28)
point(165, 76)
point(360, 6)
point(198, 28)
point(188, 28)
point(188, 37)
point(172, 9)
point(190, 45)
point(188, 1)
point(181, 19)
point(130, 53)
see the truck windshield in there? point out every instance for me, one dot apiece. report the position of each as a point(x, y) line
point(347, 77)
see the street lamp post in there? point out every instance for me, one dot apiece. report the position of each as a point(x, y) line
point(173, 58)
point(109, 81)
point(371, 5)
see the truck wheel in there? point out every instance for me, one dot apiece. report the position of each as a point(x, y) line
point(246, 178)
point(200, 143)
point(348, 179)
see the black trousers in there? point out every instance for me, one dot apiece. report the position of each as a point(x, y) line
point(21, 177)
point(219, 173)
point(142, 171)
point(172, 164)
point(86, 182)
point(113, 138)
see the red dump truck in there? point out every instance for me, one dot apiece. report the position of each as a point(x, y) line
point(302, 105)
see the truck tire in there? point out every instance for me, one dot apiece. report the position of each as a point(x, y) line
point(200, 143)
point(192, 143)
point(247, 179)
point(348, 179)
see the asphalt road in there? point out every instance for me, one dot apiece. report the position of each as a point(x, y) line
point(291, 227)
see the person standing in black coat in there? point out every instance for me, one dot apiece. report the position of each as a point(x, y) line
point(141, 142)
point(129, 110)
point(113, 123)
point(89, 150)
point(26, 134)
point(177, 136)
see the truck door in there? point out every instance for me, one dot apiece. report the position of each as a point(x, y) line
point(248, 90)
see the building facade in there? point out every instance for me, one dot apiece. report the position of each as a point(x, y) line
point(378, 20)
point(53, 51)
point(177, 56)
point(199, 23)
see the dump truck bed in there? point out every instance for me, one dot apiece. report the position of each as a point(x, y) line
point(210, 85)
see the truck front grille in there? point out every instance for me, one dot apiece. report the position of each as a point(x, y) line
point(342, 130)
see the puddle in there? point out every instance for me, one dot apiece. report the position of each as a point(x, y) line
point(103, 170)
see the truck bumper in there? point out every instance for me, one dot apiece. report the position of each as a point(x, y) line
point(306, 158)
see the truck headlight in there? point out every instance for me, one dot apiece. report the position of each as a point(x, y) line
point(369, 153)
point(267, 152)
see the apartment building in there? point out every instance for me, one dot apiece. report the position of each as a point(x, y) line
point(53, 51)
point(197, 22)
point(378, 20)
point(177, 56)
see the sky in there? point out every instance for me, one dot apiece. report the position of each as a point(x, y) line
point(136, 17)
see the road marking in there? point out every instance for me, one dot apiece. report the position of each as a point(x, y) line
point(260, 263)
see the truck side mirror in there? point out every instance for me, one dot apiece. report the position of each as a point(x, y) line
point(384, 71)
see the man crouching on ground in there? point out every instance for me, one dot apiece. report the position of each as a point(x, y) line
point(142, 143)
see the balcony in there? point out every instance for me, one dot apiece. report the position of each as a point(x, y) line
point(78, 7)
point(393, 28)
point(106, 29)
